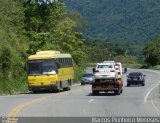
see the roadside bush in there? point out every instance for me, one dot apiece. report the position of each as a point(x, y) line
point(126, 59)
point(12, 75)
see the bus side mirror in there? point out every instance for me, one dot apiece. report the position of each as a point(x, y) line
point(94, 70)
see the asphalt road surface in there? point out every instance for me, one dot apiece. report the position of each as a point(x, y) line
point(79, 102)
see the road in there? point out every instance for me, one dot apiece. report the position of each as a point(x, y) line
point(79, 102)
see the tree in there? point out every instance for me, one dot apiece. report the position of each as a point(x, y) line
point(12, 44)
point(98, 52)
point(152, 52)
point(49, 27)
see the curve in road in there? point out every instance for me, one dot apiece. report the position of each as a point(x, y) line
point(135, 101)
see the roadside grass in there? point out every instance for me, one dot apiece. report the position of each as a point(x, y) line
point(157, 67)
point(91, 64)
point(135, 66)
point(8, 87)
point(141, 66)
point(78, 72)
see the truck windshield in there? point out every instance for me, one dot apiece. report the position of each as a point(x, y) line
point(39, 67)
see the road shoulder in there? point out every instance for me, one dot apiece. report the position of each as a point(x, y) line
point(155, 98)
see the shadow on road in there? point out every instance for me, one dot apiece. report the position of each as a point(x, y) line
point(42, 92)
point(134, 86)
point(102, 94)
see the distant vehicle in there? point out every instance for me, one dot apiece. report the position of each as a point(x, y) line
point(135, 78)
point(87, 78)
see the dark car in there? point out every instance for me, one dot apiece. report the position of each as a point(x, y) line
point(87, 78)
point(135, 78)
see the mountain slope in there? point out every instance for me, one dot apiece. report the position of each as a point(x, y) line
point(135, 21)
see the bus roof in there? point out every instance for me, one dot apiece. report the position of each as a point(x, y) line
point(48, 55)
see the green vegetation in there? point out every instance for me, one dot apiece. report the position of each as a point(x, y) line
point(48, 26)
point(99, 51)
point(28, 26)
point(156, 67)
point(13, 45)
point(130, 23)
point(124, 26)
point(152, 52)
point(134, 66)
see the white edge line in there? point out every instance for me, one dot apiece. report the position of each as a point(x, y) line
point(91, 100)
point(154, 105)
point(146, 97)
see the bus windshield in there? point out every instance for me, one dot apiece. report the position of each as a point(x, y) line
point(38, 67)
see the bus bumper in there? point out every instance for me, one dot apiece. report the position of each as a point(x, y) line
point(43, 87)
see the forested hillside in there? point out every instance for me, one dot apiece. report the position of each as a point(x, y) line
point(133, 21)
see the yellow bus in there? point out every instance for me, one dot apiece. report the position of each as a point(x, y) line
point(50, 70)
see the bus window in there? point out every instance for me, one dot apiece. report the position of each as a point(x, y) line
point(65, 62)
point(67, 59)
point(71, 62)
point(62, 62)
point(49, 67)
point(34, 67)
point(58, 62)
point(64, 59)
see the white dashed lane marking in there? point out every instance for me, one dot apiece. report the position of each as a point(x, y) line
point(91, 100)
